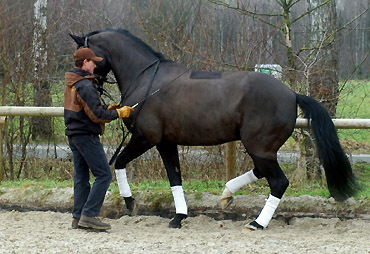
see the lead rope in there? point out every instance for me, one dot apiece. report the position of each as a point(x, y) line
point(123, 97)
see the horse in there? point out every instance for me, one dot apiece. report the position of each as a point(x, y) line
point(176, 105)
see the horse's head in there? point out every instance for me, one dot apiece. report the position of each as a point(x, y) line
point(123, 53)
point(103, 67)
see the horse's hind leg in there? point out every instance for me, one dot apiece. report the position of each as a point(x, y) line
point(278, 184)
point(170, 157)
point(236, 183)
point(136, 147)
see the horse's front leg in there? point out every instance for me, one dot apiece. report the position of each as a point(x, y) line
point(170, 159)
point(136, 147)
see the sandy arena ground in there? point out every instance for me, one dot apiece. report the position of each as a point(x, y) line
point(50, 232)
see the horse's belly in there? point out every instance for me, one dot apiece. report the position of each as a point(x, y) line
point(198, 134)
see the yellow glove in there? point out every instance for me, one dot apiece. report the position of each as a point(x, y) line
point(124, 111)
point(114, 106)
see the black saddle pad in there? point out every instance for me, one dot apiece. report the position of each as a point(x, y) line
point(205, 75)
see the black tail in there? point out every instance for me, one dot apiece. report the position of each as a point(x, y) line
point(339, 176)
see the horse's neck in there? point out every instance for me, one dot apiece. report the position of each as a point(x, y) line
point(129, 73)
point(129, 63)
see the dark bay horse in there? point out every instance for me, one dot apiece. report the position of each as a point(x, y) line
point(201, 108)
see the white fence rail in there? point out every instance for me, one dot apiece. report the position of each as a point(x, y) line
point(59, 111)
point(31, 111)
point(340, 123)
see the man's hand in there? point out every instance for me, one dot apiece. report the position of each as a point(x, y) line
point(114, 106)
point(124, 111)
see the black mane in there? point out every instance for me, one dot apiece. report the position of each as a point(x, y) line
point(132, 37)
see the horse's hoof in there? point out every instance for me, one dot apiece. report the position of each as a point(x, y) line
point(134, 210)
point(247, 229)
point(176, 222)
point(226, 202)
point(132, 206)
point(253, 226)
point(226, 198)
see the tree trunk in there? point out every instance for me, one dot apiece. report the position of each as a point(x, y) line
point(292, 69)
point(323, 78)
point(41, 126)
point(321, 74)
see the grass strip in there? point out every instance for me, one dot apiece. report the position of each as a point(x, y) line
point(362, 172)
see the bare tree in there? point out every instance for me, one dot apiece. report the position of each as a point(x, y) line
point(15, 54)
point(35, 49)
point(41, 126)
point(320, 70)
point(311, 54)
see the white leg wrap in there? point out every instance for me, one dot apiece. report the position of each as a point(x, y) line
point(235, 184)
point(268, 211)
point(179, 197)
point(123, 186)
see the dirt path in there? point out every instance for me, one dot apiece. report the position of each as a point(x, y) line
point(50, 232)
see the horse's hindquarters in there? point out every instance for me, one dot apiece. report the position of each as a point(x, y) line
point(269, 117)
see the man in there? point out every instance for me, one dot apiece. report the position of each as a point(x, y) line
point(84, 117)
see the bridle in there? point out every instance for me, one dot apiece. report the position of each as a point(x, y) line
point(103, 79)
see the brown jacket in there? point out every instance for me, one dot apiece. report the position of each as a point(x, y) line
point(83, 111)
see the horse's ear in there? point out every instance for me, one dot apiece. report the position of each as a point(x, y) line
point(79, 40)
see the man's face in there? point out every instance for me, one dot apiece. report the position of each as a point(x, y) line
point(89, 66)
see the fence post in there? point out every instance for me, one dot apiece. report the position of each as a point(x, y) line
point(2, 123)
point(2, 120)
point(230, 160)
